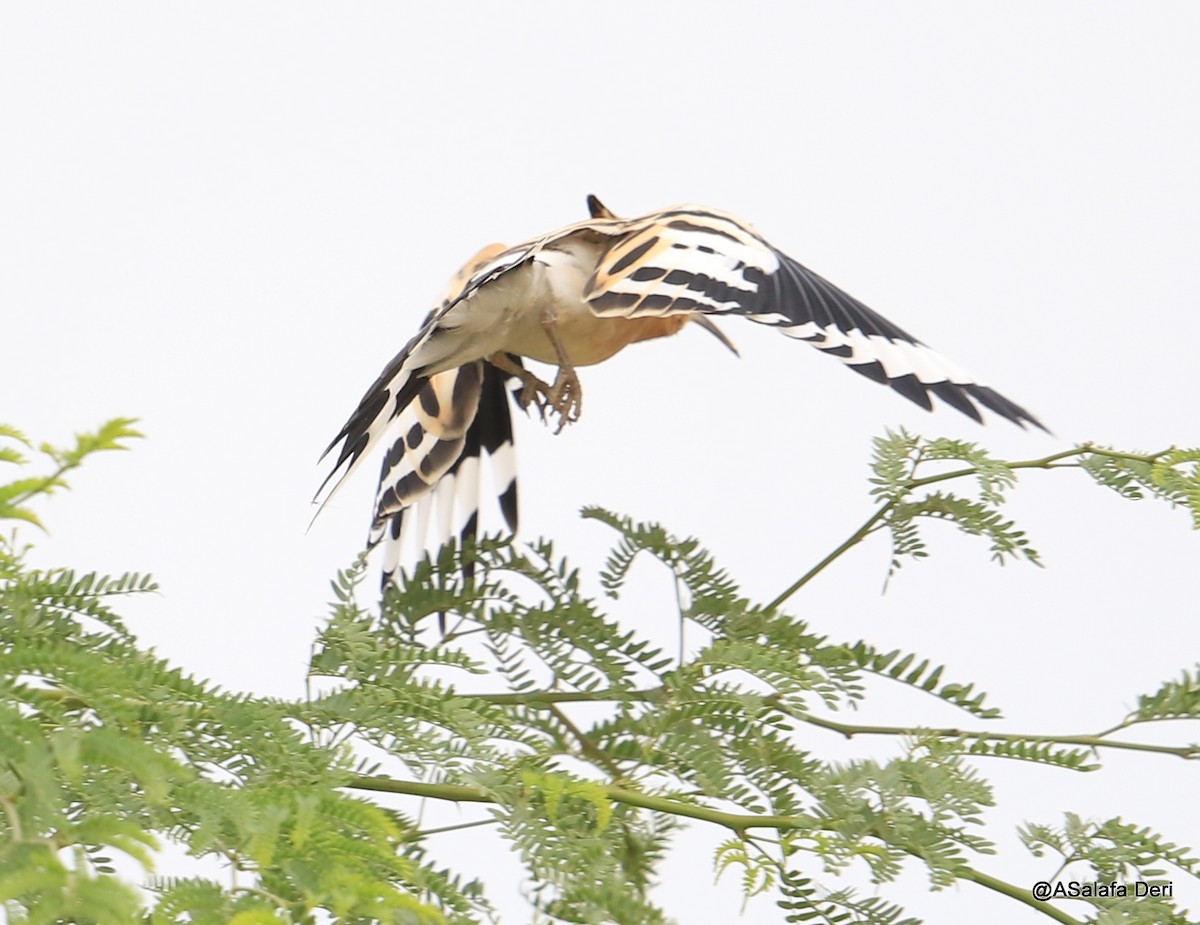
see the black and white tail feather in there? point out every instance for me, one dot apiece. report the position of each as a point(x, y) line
point(459, 426)
point(451, 410)
point(451, 427)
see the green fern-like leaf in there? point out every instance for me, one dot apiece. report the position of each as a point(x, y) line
point(760, 872)
point(896, 456)
point(804, 901)
point(899, 666)
point(1173, 476)
point(977, 518)
point(112, 435)
point(1148, 847)
point(1072, 759)
point(1179, 699)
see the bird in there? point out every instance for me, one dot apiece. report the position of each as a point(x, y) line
point(576, 297)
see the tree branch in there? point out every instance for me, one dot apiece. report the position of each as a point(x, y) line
point(589, 748)
point(1044, 462)
point(457, 793)
point(739, 824)
point(849, 730)
point(1187, 752)
point(1020, 894)
point(853, 540)
point(534, 698)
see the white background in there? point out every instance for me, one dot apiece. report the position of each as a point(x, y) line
point(225, 218)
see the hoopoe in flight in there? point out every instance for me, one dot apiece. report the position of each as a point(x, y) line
point(575, 297)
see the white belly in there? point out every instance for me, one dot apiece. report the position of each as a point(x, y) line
point(550, 288)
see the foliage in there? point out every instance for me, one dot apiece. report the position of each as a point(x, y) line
point(109, 752)
point(580, 743)
point(899, 456)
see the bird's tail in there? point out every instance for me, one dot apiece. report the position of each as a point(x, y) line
point(460, 424)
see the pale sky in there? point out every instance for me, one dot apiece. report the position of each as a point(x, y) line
point(223, 219)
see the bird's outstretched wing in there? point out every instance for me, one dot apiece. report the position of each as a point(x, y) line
point(695, 260)
point(432, 351)
point(459, 425)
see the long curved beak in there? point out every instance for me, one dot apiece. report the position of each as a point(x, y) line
point(711, 327)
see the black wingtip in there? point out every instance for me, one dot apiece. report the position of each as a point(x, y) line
point(1007, 409)
point(953, 396)
point(913, 389)
point(963, 397)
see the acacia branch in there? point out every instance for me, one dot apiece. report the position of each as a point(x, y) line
point(1015, 892)
point(589, 748)
point(849, 730)
point(1045, 462)
point(1187, 752)
point(738, 823)
point(545, 698)
point(44, 484)
point(457, 793)
point(853, 540)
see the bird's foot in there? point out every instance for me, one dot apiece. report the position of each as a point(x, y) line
point(565, 398)
point(533, 391)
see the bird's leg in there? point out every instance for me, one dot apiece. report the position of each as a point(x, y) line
point(533, 389)
point(564, 398)
point(566, 395)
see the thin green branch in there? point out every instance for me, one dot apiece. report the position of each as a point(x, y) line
point(441, 830)
point(456, 793)
point(651, 694)
point(1044, 462)
point(279, 901)
point(1134, 720)
point(589, 748)
point(1020, 894)
point(534, 698)
point(46, 482)
point(1187, 752)
point(13, 817)
point(738, 823)
point(853, 540)
point(453, 793)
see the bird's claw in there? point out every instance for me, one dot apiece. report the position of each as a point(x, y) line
point(534, 391)
point(564, 398)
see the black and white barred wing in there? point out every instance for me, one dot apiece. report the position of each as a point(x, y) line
point(459, 426)
point(443, 342)
point(691, 260)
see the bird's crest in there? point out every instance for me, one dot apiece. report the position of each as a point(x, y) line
point(597, 209)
